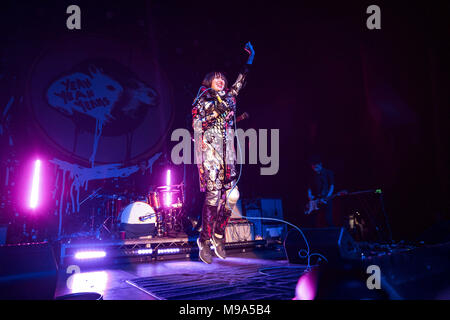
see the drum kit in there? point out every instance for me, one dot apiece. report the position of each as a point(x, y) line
point(160, 209)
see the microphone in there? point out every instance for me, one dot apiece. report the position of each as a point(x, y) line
point(221, 103)
point(219, 98)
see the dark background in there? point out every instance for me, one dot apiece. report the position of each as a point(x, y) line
point(373, 103)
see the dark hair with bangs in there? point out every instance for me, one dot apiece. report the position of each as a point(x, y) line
point(207, 81)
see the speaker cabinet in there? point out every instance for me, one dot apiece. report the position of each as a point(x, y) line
point(239, 231)
point(333, 243)
point(27, 271)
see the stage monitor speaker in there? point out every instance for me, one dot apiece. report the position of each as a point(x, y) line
point(27, 272)
point(333, 243)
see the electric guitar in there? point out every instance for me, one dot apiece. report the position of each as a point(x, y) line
point(316, 204)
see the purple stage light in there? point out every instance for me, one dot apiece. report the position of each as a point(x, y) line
point(34, 196)
point(145, 251)
point(306, 288)
point(90, 254)
point(168, 178)
point(168, 195)
point(168, 250)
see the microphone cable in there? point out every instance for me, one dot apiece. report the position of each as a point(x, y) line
point(302, 253)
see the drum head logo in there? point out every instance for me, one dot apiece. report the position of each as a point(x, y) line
point(104, 91)
point(99, 100)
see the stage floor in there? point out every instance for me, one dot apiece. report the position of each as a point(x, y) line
point(111, 281)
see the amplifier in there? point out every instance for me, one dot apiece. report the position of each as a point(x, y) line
point(239, 230)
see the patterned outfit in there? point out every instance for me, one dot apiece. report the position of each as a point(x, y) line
point(213, 123)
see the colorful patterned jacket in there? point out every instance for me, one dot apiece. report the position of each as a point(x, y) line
point(213, 124)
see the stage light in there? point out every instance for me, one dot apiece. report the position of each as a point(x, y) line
point(168, 250)
point(90, 254)
point(34, 196)
point(168, 178)
point(145, 251)
point(306, 286)
point(168, 199)
point(168, 195)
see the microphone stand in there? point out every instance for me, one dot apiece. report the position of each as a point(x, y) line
point(385, 215)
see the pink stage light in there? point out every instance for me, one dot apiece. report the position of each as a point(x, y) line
point(168, 195)
point(34, 196)
point(306, 286)
point(168, 180)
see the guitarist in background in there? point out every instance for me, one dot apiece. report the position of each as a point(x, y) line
point(321, 187)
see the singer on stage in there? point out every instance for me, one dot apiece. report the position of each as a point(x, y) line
point(213, 115)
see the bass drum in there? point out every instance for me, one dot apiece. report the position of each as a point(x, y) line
point(138, 219)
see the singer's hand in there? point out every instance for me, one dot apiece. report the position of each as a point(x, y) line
point(229, 115)
point(250, 51)
point(249, 48)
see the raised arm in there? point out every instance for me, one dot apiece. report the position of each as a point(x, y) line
point(240, 81)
